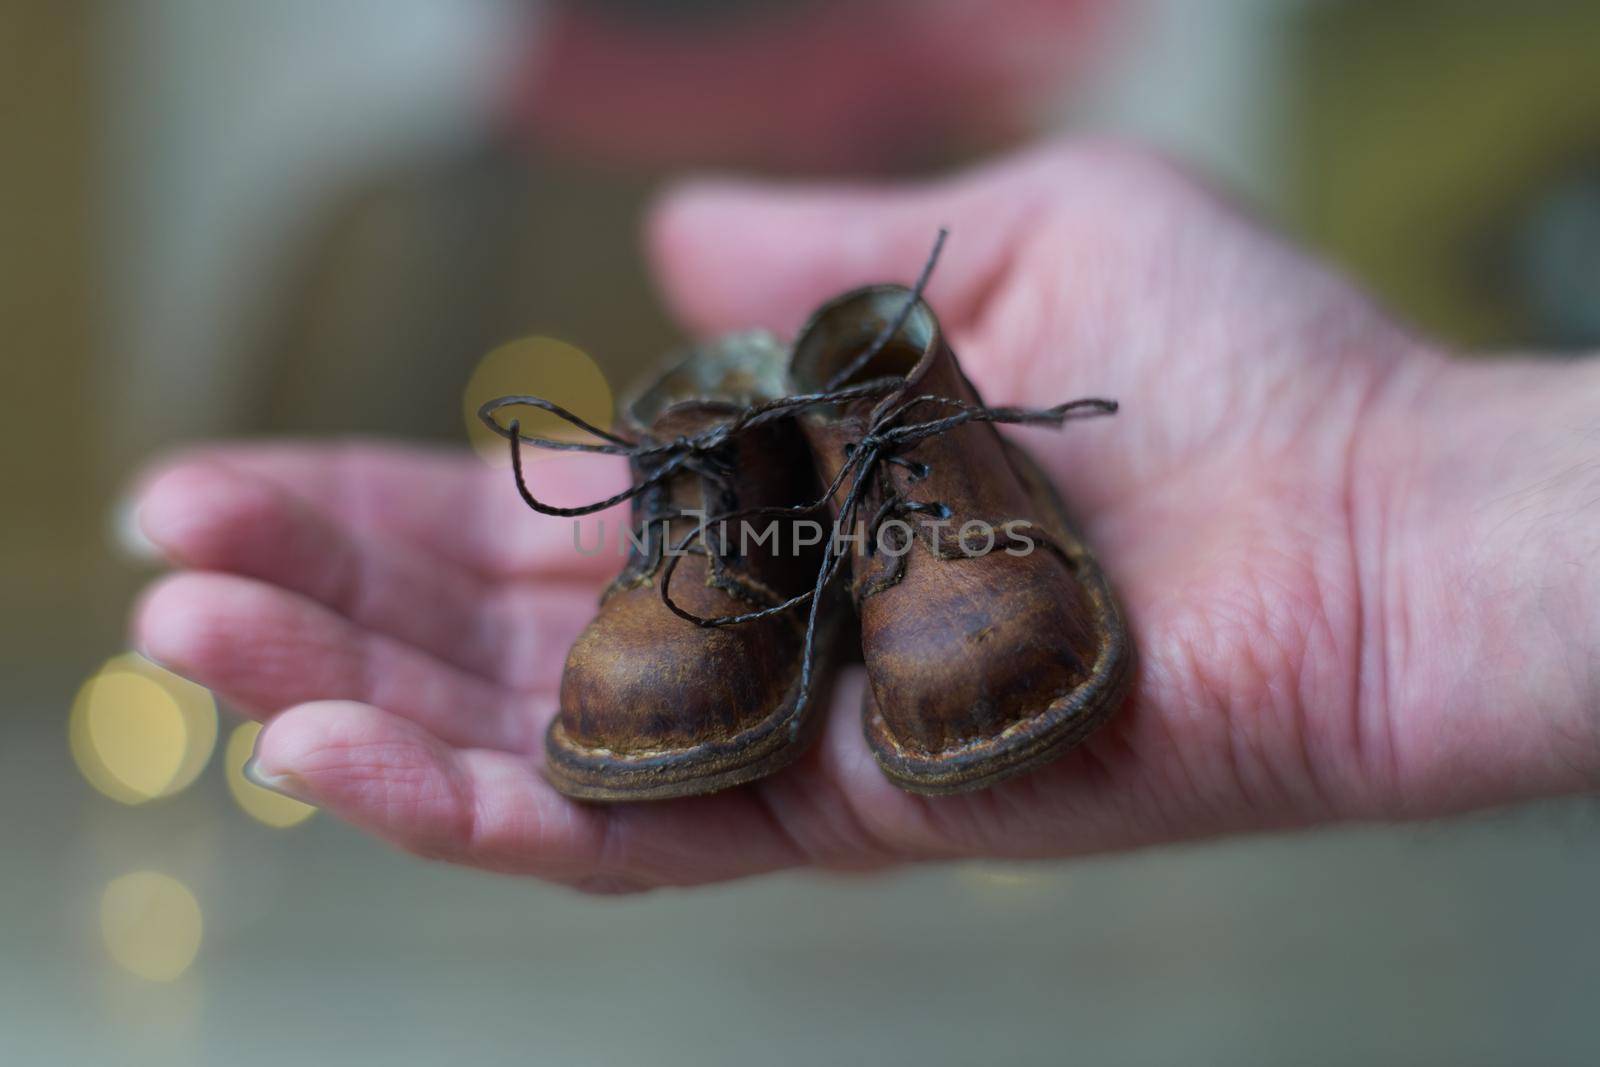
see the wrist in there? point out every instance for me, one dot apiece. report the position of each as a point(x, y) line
point(1476, 509)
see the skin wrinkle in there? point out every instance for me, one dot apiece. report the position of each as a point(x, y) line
point(840, 832)
point(1137, 809)
point(1022, 804)
point(495, 830)
point(382, 771)
point(1113, 746)
point(1133, 284)
point(1563, 509)
point(1406, 387)
point(1369, 622)
point(653, 858)
point(947, 826)
point(893, 823)
point(1065, 820)
point(1464, 567)
point(373, 662)
point(358, 597)
point(909, 829)
point(612, 854)
point(345, 578)
point(1332, 794)
point(469, 804)
point(1213, 699)
point(1290, 631)
point(1156, 669)
point(1295, 655)
point(1181, 659)
point(1308, 761)
point(375, 683)
point(1173, 754)
point(1270, 672)
point(1303, 455)
point(800, 845)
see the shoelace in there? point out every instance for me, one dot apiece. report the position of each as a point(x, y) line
point(704, 453)
point(657, 461)
point(885, 435)
point(661, 460)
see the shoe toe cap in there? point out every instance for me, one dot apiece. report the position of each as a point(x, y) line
point(962, 652)
point(640, 679)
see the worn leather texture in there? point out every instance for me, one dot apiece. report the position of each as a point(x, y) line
point(653, 705)
point(983, 658)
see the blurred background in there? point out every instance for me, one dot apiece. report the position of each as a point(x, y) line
point(239, 217)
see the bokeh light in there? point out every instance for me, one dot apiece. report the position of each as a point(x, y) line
point(264, 805)
point(151, 924)
point(536, 366)
point(138, 732)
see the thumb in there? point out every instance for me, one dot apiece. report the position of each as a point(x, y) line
point(733, 255)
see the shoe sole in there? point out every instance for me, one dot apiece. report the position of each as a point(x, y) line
point(1032, 742)
point(603, 776)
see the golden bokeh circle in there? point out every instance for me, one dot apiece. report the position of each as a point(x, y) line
point(534, 366)
point(263, 805)
point(151, 925)
point(138, 732)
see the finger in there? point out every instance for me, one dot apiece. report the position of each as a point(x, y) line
point(494, 810)
point(265, 649)
point(734, 255)
point(841, 812)
point(209, 516)
point(837, 806)
point(448, 503)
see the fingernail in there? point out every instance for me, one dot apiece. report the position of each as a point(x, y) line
point(289, 785)
point(128, 536)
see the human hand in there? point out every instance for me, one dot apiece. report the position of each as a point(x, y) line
point(1361, 576)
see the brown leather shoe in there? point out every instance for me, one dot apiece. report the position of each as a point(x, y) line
point(987, 654)
point(652, 705)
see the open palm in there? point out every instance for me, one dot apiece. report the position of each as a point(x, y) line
point(401, 621)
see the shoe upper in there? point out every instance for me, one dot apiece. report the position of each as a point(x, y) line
point(642, 680)
point(972, 614)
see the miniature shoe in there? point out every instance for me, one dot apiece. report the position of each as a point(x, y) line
point(992, 640)
point(653, 706)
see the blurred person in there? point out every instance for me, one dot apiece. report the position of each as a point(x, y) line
point(405, 273)
point(1362, 573)
point(796, 86)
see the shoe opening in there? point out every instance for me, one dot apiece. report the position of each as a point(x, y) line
point(846, 327)
point(737, 370)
